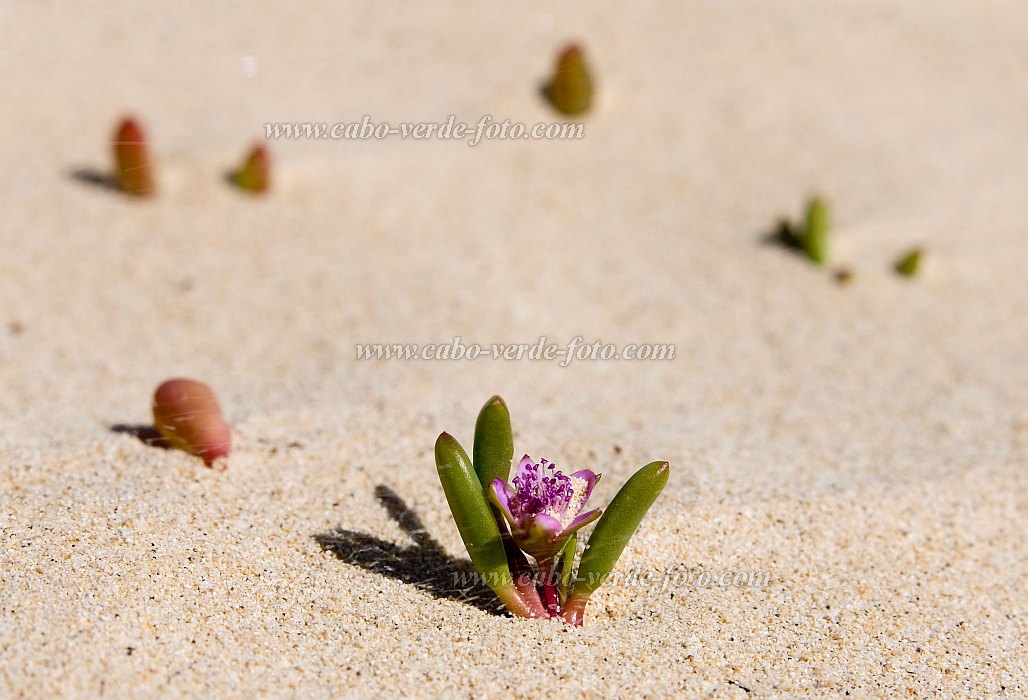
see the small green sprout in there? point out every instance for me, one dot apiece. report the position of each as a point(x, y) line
point(539, 513)
point(816, 233)
point(570, 90)
point(254, 175)
point(812, 237)
point(909, 263)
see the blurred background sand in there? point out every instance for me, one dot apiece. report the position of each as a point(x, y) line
point(864, 444)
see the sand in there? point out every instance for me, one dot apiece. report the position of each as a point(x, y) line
point(863, 444)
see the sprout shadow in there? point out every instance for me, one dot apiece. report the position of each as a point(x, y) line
point(95, 178)
point(423, 564)
point(146, 434)
point(546, 91)
point(784, 235)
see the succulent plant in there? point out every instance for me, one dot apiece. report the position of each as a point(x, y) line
point(570, 90)
point(133, 172)
point(543, 507)
point(812, 237)
point(537, 514)
point(255, 173)
point(815, 235)
point(909, 263)
point(187, 415)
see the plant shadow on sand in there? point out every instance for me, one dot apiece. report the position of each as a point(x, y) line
point(146, 434)
point(783, 235)
point(95, 178)
point(424, 564)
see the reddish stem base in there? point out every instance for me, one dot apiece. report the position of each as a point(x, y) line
point(573, 612)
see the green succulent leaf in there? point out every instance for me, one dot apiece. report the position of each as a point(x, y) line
point(493, 451)
point(909, 263)
point(477, 526)
point(567, 566)
point(494, 442)
point(617, 525)
point(471, 512)
point(570, 90)
point(817, 231)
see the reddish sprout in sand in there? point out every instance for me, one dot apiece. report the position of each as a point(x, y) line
point(254, 175)
point(187, 415)
point(570, 90)
point(133, 172)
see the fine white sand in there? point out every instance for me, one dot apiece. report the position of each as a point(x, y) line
point(865, 444)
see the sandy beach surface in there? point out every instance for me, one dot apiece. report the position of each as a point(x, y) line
point(864, 444)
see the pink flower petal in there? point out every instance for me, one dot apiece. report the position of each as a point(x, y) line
point(500, 493)
point(582, 520)
point(523, 466)
point(590, 477)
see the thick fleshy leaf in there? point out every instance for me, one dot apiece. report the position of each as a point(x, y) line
point(567, 566)
point(464, 495)
point(612, 533)
point(494, 442)
point(909, 263)
point(133, 172)
point(187, 415)
point(817, 231)
point(476, 523)
point(254, 175)
point(570, 90)
point(493, 450)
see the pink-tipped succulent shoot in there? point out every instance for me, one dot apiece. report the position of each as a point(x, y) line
point(544, 510)
point(132, 170)
point(187, 415)
point(570, 90)
point(254, 175)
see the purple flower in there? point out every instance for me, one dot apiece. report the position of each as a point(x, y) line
point(544, 506)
